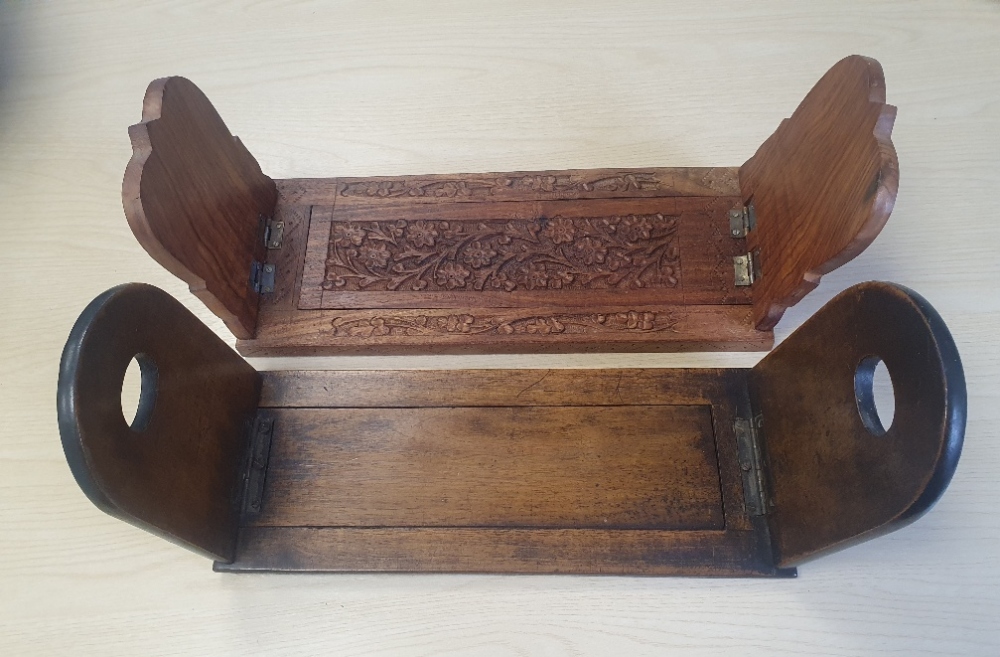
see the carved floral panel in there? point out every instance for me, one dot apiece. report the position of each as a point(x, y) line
point(586, 253)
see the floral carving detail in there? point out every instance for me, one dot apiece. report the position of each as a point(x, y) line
point(485, 186)
point(374, 255)
point(560, 230)
point(348, 234)
point(422, 234)
point(451, 275)
point(616, 252)
point(479, 255)
point(527, 324)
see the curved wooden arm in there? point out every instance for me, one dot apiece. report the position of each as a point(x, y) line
point(836, 476)
point(176, 471)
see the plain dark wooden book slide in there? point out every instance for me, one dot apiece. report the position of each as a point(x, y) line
point(619, 259)
point(729, 472)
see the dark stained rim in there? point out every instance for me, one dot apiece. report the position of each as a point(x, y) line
point(956, 408)
point(69, 430)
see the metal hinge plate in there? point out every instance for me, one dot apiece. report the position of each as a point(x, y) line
point(256, 471)
point(746, 268)
point(262, 277)
point(273, 234)
point(751, 464)
point(742, 220)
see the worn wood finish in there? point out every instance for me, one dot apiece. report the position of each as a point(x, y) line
point(836, 482)
point(176, 471)
point(585, 471)
point(558, 471)
point(611, 467)
point(194, 198)
point(823, 185)
point(525, 261)
point(519, 551)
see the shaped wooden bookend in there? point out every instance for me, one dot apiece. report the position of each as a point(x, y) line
point(730, 472)
point(608, 259)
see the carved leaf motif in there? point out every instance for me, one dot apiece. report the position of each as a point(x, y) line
point(616, 252)
point(486, 186)
point(465, 324)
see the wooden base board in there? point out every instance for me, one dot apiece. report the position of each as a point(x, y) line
point(524, 471)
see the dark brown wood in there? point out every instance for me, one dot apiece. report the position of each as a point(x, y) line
point(585, 471)
point(543, 261)
point(534, 551)
point(836, 482)
point(611, 467)
point(194, 198)
point(177, 471)
point(823, 185)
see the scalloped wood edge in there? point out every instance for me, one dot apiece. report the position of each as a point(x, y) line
point(786, 212)
point(200, 219)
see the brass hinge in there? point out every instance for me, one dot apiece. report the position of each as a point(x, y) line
point(746, 268)
point(274, 231)
point(748, 434)
point(742, 220)
point(256, 469)
point(262, 277)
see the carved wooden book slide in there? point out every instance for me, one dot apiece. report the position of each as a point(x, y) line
point(655, 472)
point(609, 259)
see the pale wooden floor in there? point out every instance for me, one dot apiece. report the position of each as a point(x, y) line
point(325, 88)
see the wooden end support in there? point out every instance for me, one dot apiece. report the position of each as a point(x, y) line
point(176, 471)
point(196, 200)
point(836, 475)
point(821, 187)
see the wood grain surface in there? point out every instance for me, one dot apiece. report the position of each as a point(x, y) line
point(361, 89)
point(195, 199)
point(614, 467)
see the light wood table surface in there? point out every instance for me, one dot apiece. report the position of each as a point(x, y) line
point(355, 88)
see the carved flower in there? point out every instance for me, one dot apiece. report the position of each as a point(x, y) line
point(374, 255)
point(422, 234)
point(560, 230)
point(451, 275)
point(479, 255)
point(591, 251)
point(348, 234)
point(535, 276)
point(636, 228)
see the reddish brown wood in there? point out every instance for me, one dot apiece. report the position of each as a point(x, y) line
point(823, 185)
point(194, 198)
point(715, 319)
point(526, 261)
